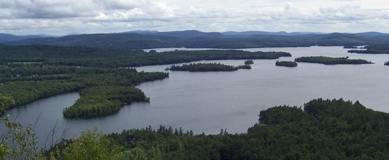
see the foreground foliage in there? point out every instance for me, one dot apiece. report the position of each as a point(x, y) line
point(324, 129)
point(332, 60)
point(18, 142)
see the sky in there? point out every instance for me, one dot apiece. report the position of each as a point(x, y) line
point(61, 17)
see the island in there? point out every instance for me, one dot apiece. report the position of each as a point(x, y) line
point(387, 63)
point(286, 63)
point(248, 62)
point(203, 67)
point(331, 60)
point(245, 66)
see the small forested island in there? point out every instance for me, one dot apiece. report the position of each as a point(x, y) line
point(387, 63)
point(245, 66)
point(248, 62)
point(322, 129)
point(203, 67)
point(286, 63)
point(332, 60)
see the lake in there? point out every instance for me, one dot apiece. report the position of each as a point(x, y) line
point(209, 102)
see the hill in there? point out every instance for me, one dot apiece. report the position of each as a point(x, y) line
point(197, 39)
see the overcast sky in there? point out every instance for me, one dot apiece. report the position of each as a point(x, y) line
point(60, 17)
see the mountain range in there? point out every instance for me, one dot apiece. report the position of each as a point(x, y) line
point(198, 39)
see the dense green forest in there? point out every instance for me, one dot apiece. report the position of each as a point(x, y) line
point(321, 130)
point(13, 94)
point(286, 63)
point(103, 100)
point(92, 57)
point(108, 88)
point(331, 60)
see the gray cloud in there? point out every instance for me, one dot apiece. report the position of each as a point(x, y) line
point(89, 16)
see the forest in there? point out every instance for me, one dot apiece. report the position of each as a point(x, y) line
point(103, 100)
point(17, 93)
point(320, 130)
point(286, 63)
point(331, 60)
point(93, 57)
point(108, 88)
point(387, 63)
point(29, 73)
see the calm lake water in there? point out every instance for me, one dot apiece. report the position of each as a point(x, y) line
point(209, 102)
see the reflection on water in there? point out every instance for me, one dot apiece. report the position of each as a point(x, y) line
point(208, 102)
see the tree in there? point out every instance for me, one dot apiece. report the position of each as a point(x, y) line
point(19, 142)
point(90, 146)
point(3, 151)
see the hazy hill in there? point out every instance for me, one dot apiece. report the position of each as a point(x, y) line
point(197, 39)
point(10, 37)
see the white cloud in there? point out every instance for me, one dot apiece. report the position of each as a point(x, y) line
point(80, 16)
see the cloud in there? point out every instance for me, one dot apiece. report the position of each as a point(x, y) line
point(89, 16)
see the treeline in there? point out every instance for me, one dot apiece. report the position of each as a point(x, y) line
point(286, 63)
point(387, 63)
point(332, 60)
point(80, 56)
point(13, 94)
point(323, 129)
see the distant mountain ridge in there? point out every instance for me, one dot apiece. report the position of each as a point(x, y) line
point(10, 37)
point(197, 39)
